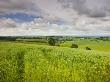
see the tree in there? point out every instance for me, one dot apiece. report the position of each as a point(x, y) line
point(74, 46)
point(51, 41)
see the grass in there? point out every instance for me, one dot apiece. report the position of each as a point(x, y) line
point(97, 45)
point(40, 63)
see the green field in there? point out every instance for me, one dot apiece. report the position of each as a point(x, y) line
point(98, 45)
point(21, 62)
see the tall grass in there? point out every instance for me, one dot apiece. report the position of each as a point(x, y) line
point(34, 63)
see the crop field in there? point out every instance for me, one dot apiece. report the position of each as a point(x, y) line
point(21, 62)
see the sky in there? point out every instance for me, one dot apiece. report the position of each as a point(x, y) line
point(54, 17)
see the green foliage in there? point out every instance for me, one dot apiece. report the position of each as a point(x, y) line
point(74, 46)
point(35, 63)
point(87, 48)
point(51, 41)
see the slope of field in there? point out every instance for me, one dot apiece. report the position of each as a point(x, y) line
point(97, 45)
point(34, 63)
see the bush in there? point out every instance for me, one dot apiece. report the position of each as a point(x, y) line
point(87, 48)
point(74, 46)
point(51, 41)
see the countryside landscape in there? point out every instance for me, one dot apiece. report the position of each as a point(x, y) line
point(54, 40)
point(55, 59)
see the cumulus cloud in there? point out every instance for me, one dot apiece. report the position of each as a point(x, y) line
point(56, 17)
point(91, 8)
point(7, 23)
point(15, 6)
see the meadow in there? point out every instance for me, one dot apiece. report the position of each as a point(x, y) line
point(25, 62)
point(94, 44)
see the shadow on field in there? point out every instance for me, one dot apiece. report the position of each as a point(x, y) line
point(12, 66)
point(20, 66)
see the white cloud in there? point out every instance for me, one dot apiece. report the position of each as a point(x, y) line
point(78, 17)
point(7, 23)
point(41, 28)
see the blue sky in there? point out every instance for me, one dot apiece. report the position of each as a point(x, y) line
point(54, 17)
point(20, 17)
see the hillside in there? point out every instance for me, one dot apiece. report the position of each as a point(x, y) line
point(35, 63)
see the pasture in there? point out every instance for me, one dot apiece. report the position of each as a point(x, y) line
point(94, 44)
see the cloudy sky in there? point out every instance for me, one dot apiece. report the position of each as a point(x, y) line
point(54, 17)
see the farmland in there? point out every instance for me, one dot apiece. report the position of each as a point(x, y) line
point(22, 61)
point(98, 45)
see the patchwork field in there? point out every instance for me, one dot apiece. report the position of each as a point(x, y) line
point(21, 62)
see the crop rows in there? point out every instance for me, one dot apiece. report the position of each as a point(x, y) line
point(33, 63)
